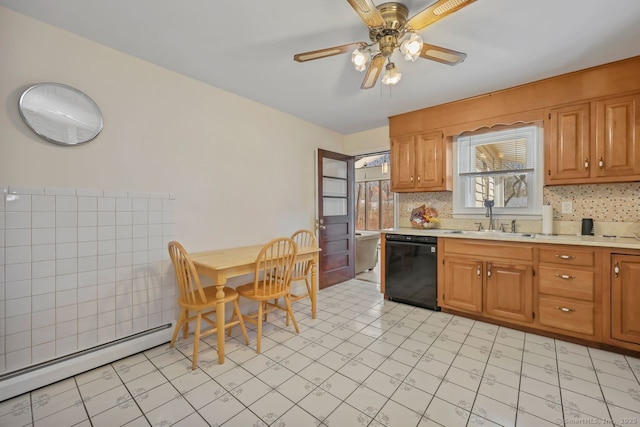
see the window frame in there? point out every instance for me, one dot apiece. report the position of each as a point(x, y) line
point(534, 189)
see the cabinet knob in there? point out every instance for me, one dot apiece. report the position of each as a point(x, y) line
point(411, 178)
point(565, 256)
point(489, 271)
point(601, 163)
point(478, 272)
point(418, 178)
point(586, 163)
point(616, 270)
point(565, 309)
point(565, 276)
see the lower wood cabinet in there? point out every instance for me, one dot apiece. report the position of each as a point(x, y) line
point(488, 278)
point(625, 296)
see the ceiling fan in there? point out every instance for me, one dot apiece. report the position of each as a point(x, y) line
point(389, 29)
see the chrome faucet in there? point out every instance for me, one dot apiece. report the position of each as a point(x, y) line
point(489, 205)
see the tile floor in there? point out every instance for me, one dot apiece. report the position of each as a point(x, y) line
point(363, 362)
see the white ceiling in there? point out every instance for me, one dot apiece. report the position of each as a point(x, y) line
point(247, 47)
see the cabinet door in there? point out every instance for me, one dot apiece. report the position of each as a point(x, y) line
point(617, 139)
point(402, 163)
point(430, 160)
point(463, 284)
point(567, 143)
point(509, 291)
point(625, 294)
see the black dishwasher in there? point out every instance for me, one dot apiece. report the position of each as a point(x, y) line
point(411, 270)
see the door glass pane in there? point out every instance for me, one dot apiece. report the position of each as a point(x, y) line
point(360, 206)
point(332, 206)
point(334, 187)
point(386, 197)
point(373, 202)
point(334, 168)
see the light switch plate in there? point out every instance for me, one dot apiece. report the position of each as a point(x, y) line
point(567, 207)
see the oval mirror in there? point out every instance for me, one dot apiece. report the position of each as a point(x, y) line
point(60, 114)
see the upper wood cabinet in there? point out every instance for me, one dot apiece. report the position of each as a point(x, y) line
point(420, 162)
point(594, 141)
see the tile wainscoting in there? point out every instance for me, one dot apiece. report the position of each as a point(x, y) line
point(80, 268)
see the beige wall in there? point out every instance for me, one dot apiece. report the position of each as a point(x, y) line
point(368, 141)
point(242, 172)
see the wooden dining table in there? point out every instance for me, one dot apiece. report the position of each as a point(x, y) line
point(221, 264)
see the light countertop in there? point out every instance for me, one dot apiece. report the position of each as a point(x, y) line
point(564, 239)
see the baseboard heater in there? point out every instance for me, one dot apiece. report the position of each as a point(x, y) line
point(35, 376)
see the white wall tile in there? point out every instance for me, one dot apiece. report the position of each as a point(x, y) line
point(57, 191)
point(87, 249)
point(124, 232)
point(88, 322)
point(19, 289)
point(106, 233)
point(106, 204)
point(124, 245)
point(140, 205)
point(116, 193)
point(87, 234)
point(155, 217)
point(140, 323)
point(155, 230)
point(106, 218)
point(43, 335)
point(66, 281)
point(43, 219)
point(17, 220)
point(88, 219)
point(123, 314)
point(124, 273)
point(66, 234)
point(124, 218)
point(87, 311)
point(123, 204)
point(106, 276)
point(155, 205)
point(106, 261)
point(17, 254)
point(17, 203)
point(68, 297)
point(17, 237)
point(87, 204)
point(16, 272)
point(106, 318)
point(66, 204)
point(158, 195)
point(43, 352)
point(66, 250)
point(88, 339)
point(66, 313)
point(23, 189)
point(44, 285)
point(124, 329)
point(43, 318)
point(43, 252)
point(44, 302)
point(17, 359)
point(66, 329)
point(43, 269)
point(43, 236)
point(88, 293)
point(17, 341)
point(66, 345)
point(106, 294)
point(106, 334)
point(139, 194)
point(87, 278)
point(87, 264)
point(17, 324)
point(44, 204)
point(66, 219)
point(106, 247)
point(140, 218)
point(140, 257)
point(87, 192)
point(140, 231)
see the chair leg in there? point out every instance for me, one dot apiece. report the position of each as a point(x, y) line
point(287, 318)
point(236, 309)
point(260, 303)
point(290, 312)
point(196, 342)
point(177, 328)
point(185, 332)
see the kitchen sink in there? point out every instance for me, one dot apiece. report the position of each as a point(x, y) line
point(493, 233)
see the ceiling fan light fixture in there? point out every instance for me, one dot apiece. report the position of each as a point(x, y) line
point(391, 76)
point(411, 47)
point(360, 59)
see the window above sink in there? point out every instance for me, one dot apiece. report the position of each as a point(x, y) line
point(503, 165)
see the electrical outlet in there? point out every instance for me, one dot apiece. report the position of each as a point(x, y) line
point(567, 207)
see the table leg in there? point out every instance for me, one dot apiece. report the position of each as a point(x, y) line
point(220, 319)
point(314, 285)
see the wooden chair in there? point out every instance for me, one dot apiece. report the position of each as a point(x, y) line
point(271, 281)
point(194, 298)
point(303, 238)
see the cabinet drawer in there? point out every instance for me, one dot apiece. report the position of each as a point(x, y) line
point(566, 282)
point(489, 249)
point(568, 315)
point(567, 256)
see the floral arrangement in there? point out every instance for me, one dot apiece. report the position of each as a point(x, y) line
point(424, 217)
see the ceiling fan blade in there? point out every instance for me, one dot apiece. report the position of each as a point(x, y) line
point(373, 72)
point(368, 12)
point(330, 51)
point(441, 54)
point(436, 11)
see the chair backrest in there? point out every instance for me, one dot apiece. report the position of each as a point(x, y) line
point(303, 238)
point(273, 267)
point(187, 277)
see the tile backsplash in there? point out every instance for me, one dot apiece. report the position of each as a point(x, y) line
point(605, 203)
point(79, 268)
